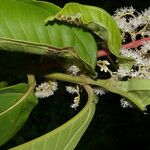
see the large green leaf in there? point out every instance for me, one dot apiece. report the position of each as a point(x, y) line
point(16, 103)
point(135, 90)
point(94, 18)
point(22, 28)
point(66, 136)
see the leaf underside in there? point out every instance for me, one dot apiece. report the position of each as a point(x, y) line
point(24, 22)
point(66, 136)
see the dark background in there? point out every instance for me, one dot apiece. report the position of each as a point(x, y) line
point(108, 5)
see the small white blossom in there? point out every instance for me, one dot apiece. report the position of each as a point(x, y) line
point(146, 14)
point(124, 25)
point(125, 104)
point(76, 102)
point(123, 71)
point(129, 21)
point(138, 56)
point(99, 91)
point(103, 65)
point(134, 74)
point(72, 90)
point(73, 70)
point(146, 33)
point(145, 48)
point(74, 105)
point(124, 11)
point(121, 20)
point(46, 89)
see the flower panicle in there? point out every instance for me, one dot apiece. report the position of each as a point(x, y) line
point(46, 89)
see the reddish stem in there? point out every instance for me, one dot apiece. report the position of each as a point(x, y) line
point(132, 44)
point(136, 43)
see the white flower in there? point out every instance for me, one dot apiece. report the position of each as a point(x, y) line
point(103, 65)
point(125, 103)
point(46, 89)
point(99, 91)
point(146, 14)
point(146, 33)
point(73, 70)
point(123, 71)
point(134, 74)
point(76, 102)
point(124, 11)
point(74, 105)
point(145, 48)
point(124, 25)
point(72, 90)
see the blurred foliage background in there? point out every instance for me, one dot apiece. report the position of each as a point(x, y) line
point(112, 128)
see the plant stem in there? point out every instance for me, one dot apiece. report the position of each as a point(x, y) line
point(66, 78)
point(82, 80)
point(136, 43)
point(118, 87)
point(132, 44)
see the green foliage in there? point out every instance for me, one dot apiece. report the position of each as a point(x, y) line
point(27, 32)
point(66, 136)
point(135, 90)
point(16, 103)
point(95, 19)
point(68, 34)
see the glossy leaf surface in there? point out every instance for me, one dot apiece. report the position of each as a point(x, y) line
point(16, 103)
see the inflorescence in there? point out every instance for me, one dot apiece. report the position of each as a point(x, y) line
point(46, 89)
point(133, 26)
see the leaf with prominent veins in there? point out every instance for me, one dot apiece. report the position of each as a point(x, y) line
point(93, 18)
point(24, 22)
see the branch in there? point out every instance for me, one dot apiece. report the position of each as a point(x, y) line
point(82, 79)
point(132, 44)
point(136, 43)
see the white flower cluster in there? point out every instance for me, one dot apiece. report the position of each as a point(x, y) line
point(122, 71)
point(46, 89)
point(103, 65)
point(125, 104)
point(133, 24)
point(138, 55)
point(129, 21)
point(142, 62)
point(74, 70)
point(99, 91)
point(76, 102)
point(74, 90)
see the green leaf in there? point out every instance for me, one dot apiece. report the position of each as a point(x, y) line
point(16, 103)
point(139, 84)
point(94, 18)
point(135, 90)
point(23, 29)
point(66, 136)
